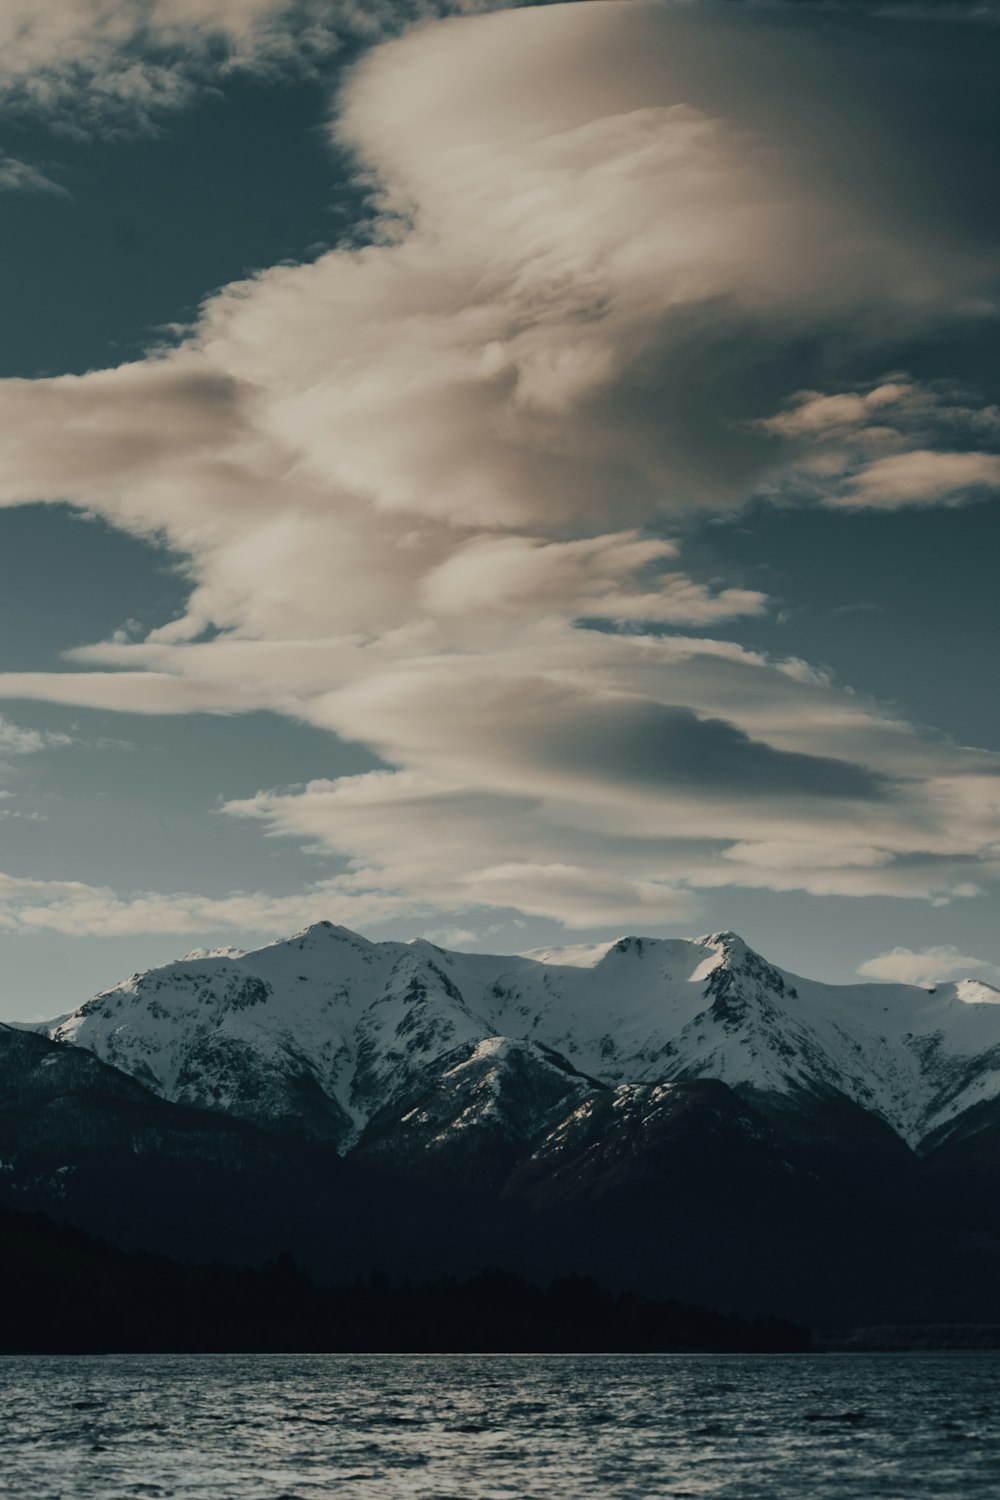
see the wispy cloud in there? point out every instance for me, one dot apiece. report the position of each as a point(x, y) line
point(408, 476)
point(113, 65)
point(16, 740)
point(897, 444)
point(76, 909)
point(21, 177)
point(926, 966)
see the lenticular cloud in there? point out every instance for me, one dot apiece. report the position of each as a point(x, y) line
point(432, 489)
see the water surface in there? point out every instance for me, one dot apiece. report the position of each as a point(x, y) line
point(412, 1427)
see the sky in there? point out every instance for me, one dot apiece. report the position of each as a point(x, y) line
point(506, 474)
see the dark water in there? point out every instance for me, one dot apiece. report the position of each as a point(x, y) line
point(473, 1428)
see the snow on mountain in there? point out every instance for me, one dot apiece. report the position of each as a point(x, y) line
point(326, 1029)
point(498, 1093)
point(977, 992)
point(640, 1134)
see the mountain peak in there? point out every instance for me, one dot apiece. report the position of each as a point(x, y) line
point(325, 929)
point(632, 945)
point(730, 941)
point(318, 935)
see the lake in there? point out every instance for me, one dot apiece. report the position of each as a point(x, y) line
point(464, 1427)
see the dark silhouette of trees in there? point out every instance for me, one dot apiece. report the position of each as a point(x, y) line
point(66, 1292)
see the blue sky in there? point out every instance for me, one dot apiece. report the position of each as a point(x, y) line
point(527, 478)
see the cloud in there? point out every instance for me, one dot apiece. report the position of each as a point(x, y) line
point(599, 577)
point(16, 740)
point(871, 449)
point(76, 909)
point(599, 839)
point(21, 177)
point(124, 692)
point(922, 478)
point(929, 966)
point(811, 414)
point(450, 937)
point(99, 65)
point(433, 490)
point(528, 732)
point(467, 849)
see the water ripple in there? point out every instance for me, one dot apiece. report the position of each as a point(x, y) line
point(739, 1427)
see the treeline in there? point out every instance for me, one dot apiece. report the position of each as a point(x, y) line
point(66, 1292)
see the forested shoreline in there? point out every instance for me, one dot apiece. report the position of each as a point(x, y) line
point(67, 1292)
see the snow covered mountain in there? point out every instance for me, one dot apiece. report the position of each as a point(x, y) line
point(332, 1035)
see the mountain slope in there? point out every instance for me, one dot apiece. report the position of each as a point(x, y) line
point(81, 1139)
point(89, 1145)
point(472, 1115)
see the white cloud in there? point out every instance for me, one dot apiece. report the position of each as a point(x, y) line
point(113, 64)
point(450, 937)
point(929, 966)
point(873, 449)
point(76, 909)
point(922, 477)
point(16, 740)
point(811, 414)
point(403, 474)
point(123, 692)
point(598, 577)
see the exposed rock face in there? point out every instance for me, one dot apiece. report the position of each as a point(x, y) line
point(469, 1118)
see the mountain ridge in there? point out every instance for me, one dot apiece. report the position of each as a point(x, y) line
point(321, 1031)
point(658, 1113)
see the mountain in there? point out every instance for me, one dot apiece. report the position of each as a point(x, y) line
point(59, 1102)
point(468, 1117)
point(320, 1033)
point(81, 1139)
point(677, 1116)
point(84, 1143)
